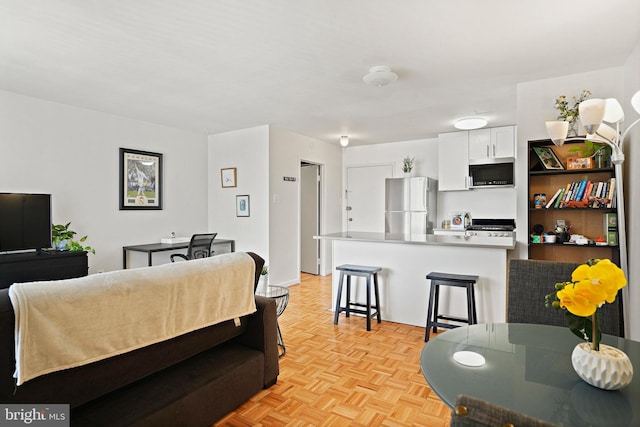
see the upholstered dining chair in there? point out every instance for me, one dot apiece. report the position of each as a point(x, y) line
point(199, 247)
point(530, 280)
point(473, 412)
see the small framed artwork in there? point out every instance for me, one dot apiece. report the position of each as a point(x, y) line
point(242, 205)
point(140, 180)
point(228, 177)
point(579, 163)
point(548, 158)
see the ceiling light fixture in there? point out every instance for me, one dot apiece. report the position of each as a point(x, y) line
point(469, 123)
point(592, 113)
point(344, 140)
point(380, 75)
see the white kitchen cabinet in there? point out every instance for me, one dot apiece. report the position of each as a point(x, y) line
point(453, 161)
point(491, 143)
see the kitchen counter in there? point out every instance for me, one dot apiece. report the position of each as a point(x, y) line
point(407, 259)
point(453, 239)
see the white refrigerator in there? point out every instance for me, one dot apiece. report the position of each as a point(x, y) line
point(410, 205)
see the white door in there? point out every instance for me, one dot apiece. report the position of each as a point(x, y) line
point(365, 197)
point(309, 218)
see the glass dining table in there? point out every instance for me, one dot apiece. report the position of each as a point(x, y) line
point(527, 368)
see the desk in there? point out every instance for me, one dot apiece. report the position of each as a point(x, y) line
point(281, 295)
point(151, 248)
point(528, 369)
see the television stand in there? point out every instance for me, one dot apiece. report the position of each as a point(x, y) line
point(36, 266)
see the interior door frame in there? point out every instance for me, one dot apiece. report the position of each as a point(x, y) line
point(345, 186)
point(320, 224)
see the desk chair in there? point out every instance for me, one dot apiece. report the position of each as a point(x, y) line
point(199, 247)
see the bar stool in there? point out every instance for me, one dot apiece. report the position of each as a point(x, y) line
point(456, 280)
point(348, 270)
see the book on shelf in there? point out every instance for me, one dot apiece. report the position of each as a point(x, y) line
point(610, 225)
point(584, 193)
point(553, 199)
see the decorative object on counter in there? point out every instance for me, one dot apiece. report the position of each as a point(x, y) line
point(570, 114)
point(539, 200)
point(548, 158)
point(460, 220)
point(407, 165)
point(63, 239)
point(592, 285)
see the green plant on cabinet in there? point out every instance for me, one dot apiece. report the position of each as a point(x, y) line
point(63, 239)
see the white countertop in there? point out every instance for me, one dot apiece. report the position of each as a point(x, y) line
point(418, 239)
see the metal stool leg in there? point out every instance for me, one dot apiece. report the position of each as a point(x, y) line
point(338, 298)
point(375, 287)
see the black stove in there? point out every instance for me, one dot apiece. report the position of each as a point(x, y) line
point(492, 224)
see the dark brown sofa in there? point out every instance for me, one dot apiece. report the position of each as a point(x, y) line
point(190, 380)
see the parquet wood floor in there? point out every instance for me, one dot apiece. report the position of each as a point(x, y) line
point(342, 375)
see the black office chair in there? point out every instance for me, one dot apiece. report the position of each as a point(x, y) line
point(199, 247)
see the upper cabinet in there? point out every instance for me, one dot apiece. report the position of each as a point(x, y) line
point(492, 143)
point(456, 150)
point(453, 161)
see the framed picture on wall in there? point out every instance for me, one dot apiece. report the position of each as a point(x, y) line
point(228, 177)
point(242, 205)
point(140, 179)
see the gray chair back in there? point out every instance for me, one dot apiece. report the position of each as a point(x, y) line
point(473, 412)
point(529, 282)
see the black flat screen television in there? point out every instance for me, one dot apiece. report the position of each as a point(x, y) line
point(25, 221)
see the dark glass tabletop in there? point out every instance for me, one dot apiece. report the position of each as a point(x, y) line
point(528, 369)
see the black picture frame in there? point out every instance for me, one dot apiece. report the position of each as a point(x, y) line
point(140, 169)
point(548, 158)
point(242, 206)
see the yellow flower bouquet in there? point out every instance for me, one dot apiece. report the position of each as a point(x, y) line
point(592, 285)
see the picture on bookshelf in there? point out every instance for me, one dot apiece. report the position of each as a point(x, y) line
point(578, 163)
point(548, 158)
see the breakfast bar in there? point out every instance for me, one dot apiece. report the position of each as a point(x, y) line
point(407, 259)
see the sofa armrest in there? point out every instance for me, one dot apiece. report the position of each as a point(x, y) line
point(262, 334)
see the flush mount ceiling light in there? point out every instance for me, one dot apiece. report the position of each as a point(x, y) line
point(344, 140)
point(469, 123)
point(380, 75)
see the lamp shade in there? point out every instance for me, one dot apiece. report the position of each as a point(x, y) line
point(591, 114)
point(635, 102)
point(613, 112)
point(557, 131)
point(604, 132)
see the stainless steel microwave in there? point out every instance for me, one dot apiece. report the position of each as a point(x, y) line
point(498, 174)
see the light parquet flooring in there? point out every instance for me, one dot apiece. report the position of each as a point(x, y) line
point(342, 375)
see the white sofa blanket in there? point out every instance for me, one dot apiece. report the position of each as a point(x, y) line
point(67, 323)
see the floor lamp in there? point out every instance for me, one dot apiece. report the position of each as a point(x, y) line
point(592, 114)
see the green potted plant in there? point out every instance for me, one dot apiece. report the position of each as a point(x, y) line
point(407, 165)
point(600, 152)
point(63, 239)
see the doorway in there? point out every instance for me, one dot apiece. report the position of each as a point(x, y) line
point(310, 184)
point(365, 197)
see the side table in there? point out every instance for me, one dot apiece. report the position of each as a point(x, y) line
point(281, 295)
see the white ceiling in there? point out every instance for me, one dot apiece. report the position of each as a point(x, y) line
point(219, 65)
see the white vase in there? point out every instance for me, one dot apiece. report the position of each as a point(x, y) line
point(263, 283)
point(608, 369)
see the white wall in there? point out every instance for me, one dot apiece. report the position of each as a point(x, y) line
point(72, 153)
point(632, 190)
point(287, 150)
point(246, 150)
point(489, 203)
